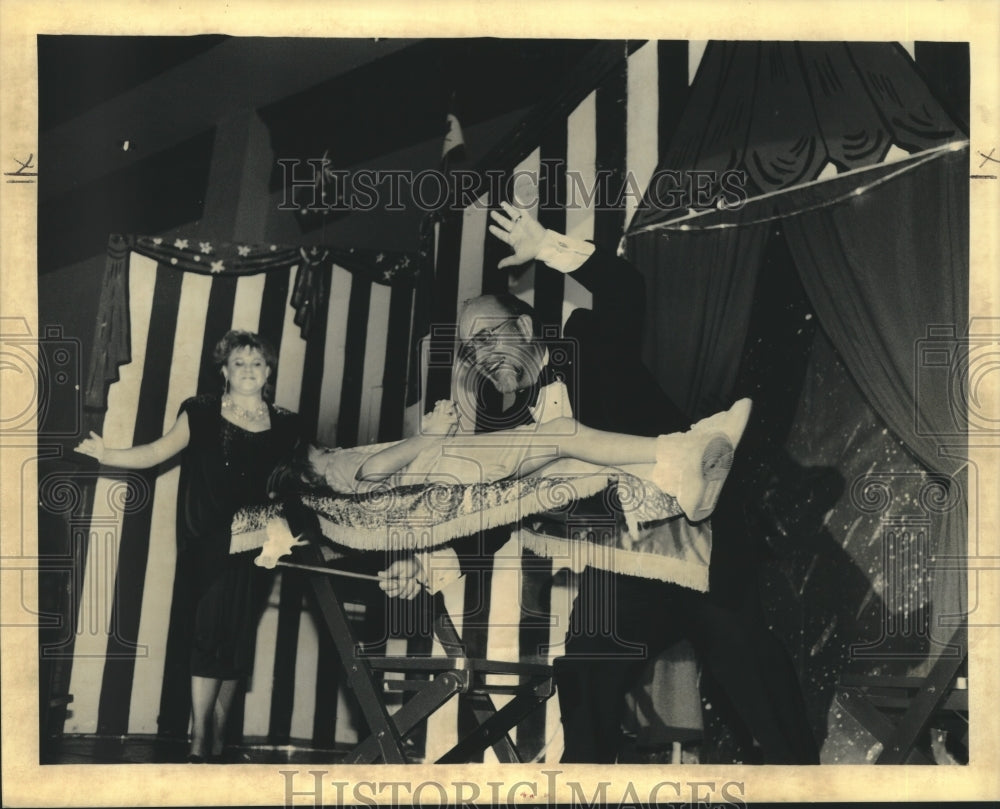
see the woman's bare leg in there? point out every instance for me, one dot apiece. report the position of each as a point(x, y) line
point(690, 466)
point(220, 714)
point(567, 438)
point(204, 691)
point(574, 440)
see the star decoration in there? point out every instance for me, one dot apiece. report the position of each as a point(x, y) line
point(243, 250)
point(157, 240)
point(379, 258)
point(181, 244)
point(218, 266)
point(205, 247)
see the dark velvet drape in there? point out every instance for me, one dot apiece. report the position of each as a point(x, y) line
point(700, 285)
point(886, 270)
point(887, 273)
point(778, 112)
point(880, 269)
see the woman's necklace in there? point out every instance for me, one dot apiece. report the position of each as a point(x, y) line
point(258, 413)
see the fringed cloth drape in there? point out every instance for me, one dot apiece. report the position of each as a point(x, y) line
point(426, 516)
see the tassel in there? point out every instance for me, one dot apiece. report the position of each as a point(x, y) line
point(112, 346)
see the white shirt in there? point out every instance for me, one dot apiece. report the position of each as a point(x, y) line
point(563, 254)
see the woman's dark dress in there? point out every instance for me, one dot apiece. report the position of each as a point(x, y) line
point(223, 469)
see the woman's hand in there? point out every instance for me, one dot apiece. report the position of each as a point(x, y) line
point(143, 456)
point(93, 446)
point(443, 420)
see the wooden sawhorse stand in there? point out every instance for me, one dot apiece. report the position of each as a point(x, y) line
point(443, 678)
point(914, 701)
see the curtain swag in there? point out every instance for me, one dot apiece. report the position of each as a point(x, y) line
point(233, 259)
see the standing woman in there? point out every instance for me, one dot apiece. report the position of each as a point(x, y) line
point(229, 445)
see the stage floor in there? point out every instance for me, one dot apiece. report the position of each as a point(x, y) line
point(152, 750)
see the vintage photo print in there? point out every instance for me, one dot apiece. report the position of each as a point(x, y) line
point(521, 405)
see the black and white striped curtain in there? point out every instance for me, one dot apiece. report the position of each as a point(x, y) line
point(348, 379)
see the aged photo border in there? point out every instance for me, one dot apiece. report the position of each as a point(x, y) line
point(25, 783)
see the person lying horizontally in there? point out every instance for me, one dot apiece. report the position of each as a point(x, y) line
point(690, 466)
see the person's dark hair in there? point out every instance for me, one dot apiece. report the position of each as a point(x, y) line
point(295, 474)
point(236, 340)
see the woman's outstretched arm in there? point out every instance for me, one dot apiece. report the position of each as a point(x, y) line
point(143, 456)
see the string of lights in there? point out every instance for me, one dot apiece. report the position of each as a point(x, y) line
point(688, 223)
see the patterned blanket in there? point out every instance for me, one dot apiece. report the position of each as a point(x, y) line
point(422, 517)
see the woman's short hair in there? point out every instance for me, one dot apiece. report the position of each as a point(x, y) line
point(237, 340)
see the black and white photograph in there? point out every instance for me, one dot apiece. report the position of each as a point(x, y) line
point(518, 412)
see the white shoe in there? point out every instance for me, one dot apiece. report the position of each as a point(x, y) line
point(693, 466)
point(731, 422)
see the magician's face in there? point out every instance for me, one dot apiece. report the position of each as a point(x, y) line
point(501, 348)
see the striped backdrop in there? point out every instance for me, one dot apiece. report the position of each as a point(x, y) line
point(349, 381)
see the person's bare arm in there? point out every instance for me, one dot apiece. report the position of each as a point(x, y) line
point(143, 456)
point(440, 423)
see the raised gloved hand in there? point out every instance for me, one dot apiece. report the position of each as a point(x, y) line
point(524, 235)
